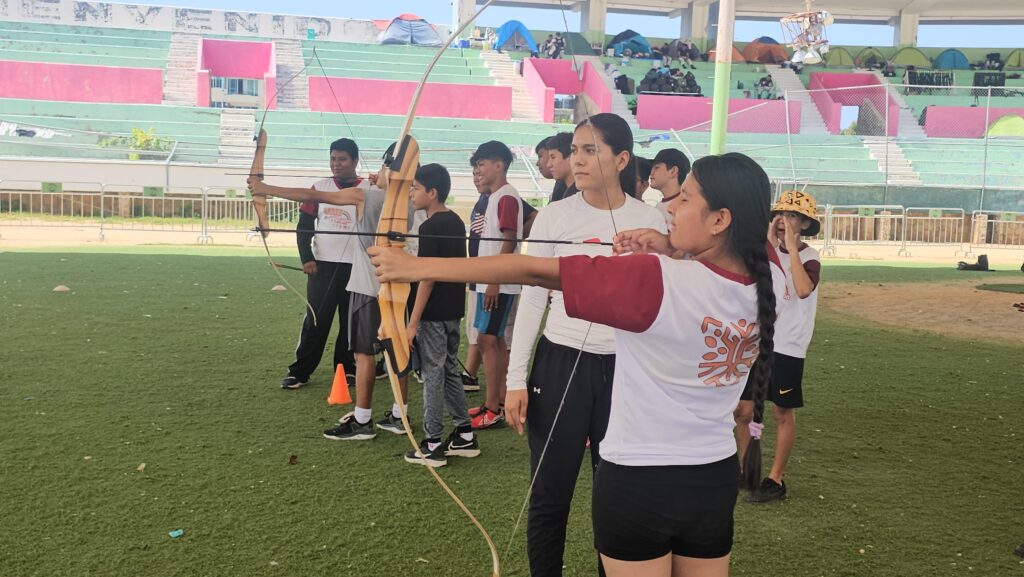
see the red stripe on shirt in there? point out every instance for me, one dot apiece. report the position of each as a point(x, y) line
point(508, 213)
point(623, 292)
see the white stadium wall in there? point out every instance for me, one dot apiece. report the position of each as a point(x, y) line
point(190, 20)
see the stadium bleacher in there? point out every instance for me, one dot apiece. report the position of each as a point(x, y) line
point(395, 62)
point(56, 43)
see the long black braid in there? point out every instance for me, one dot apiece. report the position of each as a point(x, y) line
point(736, 182)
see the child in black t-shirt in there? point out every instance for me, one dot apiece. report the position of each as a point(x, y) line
point(434, 324)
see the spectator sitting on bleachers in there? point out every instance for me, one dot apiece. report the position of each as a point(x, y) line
point(766, 88)
point(627, 56)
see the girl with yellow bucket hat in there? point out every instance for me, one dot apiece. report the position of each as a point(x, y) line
point(793, 216)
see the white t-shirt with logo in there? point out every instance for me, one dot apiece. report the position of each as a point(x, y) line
point(686, 337)
point(335, 218)
point(794, 329)
point(571, 218)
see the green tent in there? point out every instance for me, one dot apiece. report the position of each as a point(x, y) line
point(1009, 126)
point(838, 56)
point(869, 56)
point(911, 56)
point(1015, 59)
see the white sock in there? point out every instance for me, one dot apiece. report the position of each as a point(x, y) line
point(467, 436)
point(363, 416)
point(431, 446)
point(396, 412)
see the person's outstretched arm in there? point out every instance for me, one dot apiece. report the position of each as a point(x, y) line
point(394, 265)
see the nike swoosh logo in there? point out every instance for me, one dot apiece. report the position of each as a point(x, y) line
point(536, 390)
point(784, 391)
point(454, 446)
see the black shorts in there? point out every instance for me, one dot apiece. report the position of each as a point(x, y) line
point(363, 324)
point(786, 389)
point(643, 513)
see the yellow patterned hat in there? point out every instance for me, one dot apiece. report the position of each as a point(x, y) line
point(802, 203)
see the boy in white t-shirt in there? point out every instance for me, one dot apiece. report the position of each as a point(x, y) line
point(794, 215)
point(668, 171)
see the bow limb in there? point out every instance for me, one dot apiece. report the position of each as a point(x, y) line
point(259, 207)
point(393, 297)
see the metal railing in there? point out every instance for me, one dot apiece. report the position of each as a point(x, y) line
point(864, 225)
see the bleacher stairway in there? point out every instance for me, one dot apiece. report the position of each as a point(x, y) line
point(619, 105)
point(237, 126)
point(291, 69)
point(504, 72)
point(891, 160)
point(908, 126)
point(788, 83)
point(180, 85)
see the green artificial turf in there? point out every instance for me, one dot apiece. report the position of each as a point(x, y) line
point(1017, 288)
point(907, 463)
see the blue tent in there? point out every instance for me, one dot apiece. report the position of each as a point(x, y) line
point(952, 59)
point(767, 40)
point(631, 40)
point(512, 35)
point(410, 29)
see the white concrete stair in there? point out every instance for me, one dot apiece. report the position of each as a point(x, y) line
point(891, 160)
point(787, 83)
point(292, 80)
point(237, 127)
point(180, 87)
point(908, 126)
point(619, 104)
point(503, 69)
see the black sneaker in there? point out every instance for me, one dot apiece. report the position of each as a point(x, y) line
point(470, 384)
point(456, 446)
point(768, 491)
point(424, 456)
point(350, 429)
point(350, 378)
point(391, 423)
point(291, 382)
point(382, 371)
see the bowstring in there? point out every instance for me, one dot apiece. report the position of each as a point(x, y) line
point(586, 335)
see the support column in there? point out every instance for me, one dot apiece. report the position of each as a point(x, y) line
point(593, 15)
point(462, 11)
point(905, 29)
point(693, 24)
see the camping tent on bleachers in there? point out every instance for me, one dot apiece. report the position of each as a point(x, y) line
point(737, 56)
point(410, 29)
point(1009, 126)
point(910, 56)
point(514, 35)
point(869, 57)
point(628, 39)
point(765, 50)
point(838, 56)
point(1015, 59)
point(952, 59)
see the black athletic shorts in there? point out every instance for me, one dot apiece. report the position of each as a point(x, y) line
point(643, 513)
point(786, 389)
point(363, 324)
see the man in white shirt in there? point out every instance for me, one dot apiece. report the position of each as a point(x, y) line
point(327, 262)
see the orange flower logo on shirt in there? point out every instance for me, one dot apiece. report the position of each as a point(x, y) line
point(733, 350)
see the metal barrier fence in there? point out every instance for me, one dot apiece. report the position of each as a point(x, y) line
point(864, 225)
point(935, 226)
point(997, 229)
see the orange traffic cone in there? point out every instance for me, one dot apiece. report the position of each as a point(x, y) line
point(339, 390)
